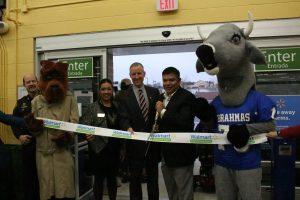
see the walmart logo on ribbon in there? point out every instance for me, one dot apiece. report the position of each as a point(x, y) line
point(157, 137)
point(52, 124)
point(201, 139)
point(121, 134)
point(85, 129)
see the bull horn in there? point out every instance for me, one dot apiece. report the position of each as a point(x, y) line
point(249, 29)
point(200, 33)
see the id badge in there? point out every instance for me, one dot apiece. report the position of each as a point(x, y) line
point(100, 115)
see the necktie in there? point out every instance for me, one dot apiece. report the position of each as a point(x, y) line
point(143, 105)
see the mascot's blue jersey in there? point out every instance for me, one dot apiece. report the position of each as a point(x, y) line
point(256, 108)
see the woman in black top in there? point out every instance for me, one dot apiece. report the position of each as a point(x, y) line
point(104, 152)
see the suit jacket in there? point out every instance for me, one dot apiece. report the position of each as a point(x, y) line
point(178, 117)
point(23, 108)
point(131, 116)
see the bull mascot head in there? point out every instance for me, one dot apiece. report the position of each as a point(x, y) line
point(227, 53)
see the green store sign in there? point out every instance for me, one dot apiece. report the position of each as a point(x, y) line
point(79, 67)
point(284, 59)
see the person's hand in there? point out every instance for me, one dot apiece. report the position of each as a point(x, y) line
point(25, 139)
point(62, 138)
point(272, 134)
point(159, 106)
point(89, 137)
point(33, 124)
point(130, 130)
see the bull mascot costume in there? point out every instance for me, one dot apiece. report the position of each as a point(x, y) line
point(241, 110)
point(55, 164)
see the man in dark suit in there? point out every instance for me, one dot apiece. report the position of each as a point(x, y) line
point(23, 108)
point(177, 115)
point(138, 114)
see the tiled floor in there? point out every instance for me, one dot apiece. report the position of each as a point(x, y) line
point(123, 191)
point(123, 194)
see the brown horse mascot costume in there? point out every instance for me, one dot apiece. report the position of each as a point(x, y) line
point(55, 164)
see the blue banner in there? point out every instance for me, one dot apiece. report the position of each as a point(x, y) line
point(288, 110)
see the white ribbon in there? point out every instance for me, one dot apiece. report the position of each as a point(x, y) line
point(176, 137)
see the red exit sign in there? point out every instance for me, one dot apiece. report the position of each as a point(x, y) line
point(166, 5)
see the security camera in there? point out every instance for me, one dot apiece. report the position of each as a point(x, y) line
point(3, 27)
point(166, 33)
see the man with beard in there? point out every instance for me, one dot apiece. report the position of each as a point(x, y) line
point(23, 108)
